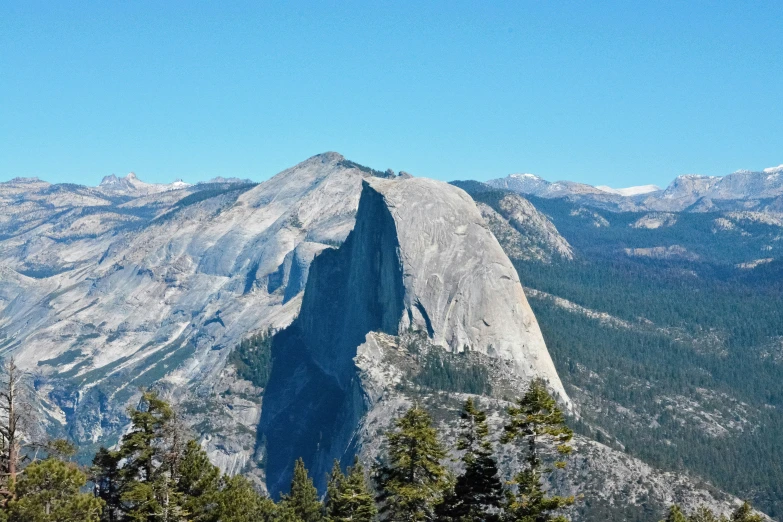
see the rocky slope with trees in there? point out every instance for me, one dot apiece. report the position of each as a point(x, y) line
point(288, 320)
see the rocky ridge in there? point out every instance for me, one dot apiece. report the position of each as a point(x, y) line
point(741, 190)
point(614, 483)
point(108, 293)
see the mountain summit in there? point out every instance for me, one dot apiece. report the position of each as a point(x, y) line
point(131, 185)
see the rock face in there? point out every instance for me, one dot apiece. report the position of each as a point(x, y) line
point(103, 290)
point(106, 289)
point(420, 258)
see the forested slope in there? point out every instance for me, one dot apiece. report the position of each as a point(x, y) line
point(667, 331)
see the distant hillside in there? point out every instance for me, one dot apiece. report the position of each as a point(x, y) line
point(741, 190)
point(667, 330)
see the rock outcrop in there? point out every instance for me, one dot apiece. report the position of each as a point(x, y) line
point(420, 258)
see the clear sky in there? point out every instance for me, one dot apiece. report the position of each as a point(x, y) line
point(616, 93)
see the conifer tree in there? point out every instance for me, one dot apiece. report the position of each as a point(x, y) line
point(336, 478)
point(704, 514)
point(302, 501)
point(348, 496)
point(478, 492)
point(534, 419)
point(413, 481)
point(745, 513)
point(106, 477)
point(151, 453)
point(50, 491)
point(675, 514)
point(238, 501)
point(198, 480)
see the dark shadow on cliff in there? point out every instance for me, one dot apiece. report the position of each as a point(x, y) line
point(314, 401)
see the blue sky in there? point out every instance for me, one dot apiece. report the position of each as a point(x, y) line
point(616, 93)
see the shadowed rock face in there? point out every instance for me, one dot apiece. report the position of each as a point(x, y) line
point(420, 257)
point(313, 401)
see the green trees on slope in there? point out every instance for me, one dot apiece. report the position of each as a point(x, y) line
point(478, 491)
point(238, 501)
point(415, 485)
point(348, 496)
point(50, 490)
point(536, 417)
point(414, 480)
point(302, 503)
point(157, 474)
point(151, 454)
point(744, 513)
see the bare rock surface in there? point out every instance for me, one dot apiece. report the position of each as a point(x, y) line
point(420, 258)
point(460, 286)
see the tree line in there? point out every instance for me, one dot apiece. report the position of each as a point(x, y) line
point(157, 472)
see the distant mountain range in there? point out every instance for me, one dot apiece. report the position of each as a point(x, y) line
point(741, 190)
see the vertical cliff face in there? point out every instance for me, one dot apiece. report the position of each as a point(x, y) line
point(419, 257)
point(313, 402)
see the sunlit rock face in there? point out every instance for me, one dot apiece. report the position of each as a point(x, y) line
point(420, 258)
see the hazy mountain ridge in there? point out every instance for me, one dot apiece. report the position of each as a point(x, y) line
point(741, 190)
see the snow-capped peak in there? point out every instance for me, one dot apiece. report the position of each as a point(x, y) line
point(131, 185)
point(109, 180)
point(774, 170)
point(525, 175)
point(630, 191)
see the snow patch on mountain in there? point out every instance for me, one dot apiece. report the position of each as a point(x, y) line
point(630, 191)
point(131, 185)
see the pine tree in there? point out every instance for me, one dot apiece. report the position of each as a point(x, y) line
point(151, 451)
point(105, 475)
point(333, 485)
point(478, 492)
point(302, 501)
point(50, 491)
point(413, 481)
point(238, 501)
point(348, 496)
point(198, 480)
point(534, 419)
point(745, 513)
point(143, 443)
point(675, 515)
point(704, 514)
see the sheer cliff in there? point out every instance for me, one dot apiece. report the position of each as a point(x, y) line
point(420, 258)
